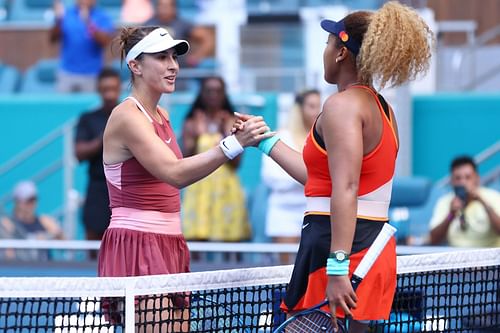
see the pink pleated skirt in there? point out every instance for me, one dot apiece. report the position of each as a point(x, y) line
point(126, 252)
point(143, 242)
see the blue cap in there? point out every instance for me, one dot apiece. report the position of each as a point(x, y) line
point(338, 29)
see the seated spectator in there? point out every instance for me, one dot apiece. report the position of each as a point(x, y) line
point(213, 208)
point(136, 11)
point(470, 215)
point(84, 31)
point(287, 203)
point(199, 37)
point(25, 223)
point(88, 147)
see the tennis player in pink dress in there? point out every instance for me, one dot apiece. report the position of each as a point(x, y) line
point(144, 169)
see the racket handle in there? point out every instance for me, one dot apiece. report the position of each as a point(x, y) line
point(374, 250)
point(322, 304)
point(355, 281)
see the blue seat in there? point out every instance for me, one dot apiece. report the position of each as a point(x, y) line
point(363, 4)
point(4, 10)
point(110, 3)
point(187, 9)
point(409, 196)
point(32, 10)
point(112, 8)
point(41, 77)
point(410, 191)
point(9, 79)
point(421, 216)
point(264, 7)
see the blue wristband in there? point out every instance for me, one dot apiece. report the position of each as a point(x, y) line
point(333, 267)
point(267, 145)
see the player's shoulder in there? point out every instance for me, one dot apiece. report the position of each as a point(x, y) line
point(126, 113)
point(343, 103)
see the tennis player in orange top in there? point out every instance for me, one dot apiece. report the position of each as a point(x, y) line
point(348, 161)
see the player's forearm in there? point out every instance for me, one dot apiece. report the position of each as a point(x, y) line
point(290, 160)
point(343, 206)
point(191, 169)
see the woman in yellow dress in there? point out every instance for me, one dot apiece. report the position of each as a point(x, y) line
point(214, 208)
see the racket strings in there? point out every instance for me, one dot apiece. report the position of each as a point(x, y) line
point(314, 322)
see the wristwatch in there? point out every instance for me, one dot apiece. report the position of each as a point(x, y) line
point(339, 255)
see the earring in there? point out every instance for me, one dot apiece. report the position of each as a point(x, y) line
point(336, 60)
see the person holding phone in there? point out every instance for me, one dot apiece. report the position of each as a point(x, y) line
point(470, 215)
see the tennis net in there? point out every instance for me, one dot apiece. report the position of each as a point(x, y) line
point(443, 292)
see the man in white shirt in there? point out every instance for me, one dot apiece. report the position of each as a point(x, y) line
point(470, 215)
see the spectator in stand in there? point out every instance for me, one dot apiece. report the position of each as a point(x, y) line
point(470, 215)
point(214, 207)
point(84, 31)
point(88, 147)
point(199, 37)
point(26, 223)
point(287, 203)
point(136, 11)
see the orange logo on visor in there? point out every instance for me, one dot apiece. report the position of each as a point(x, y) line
point(343, 36)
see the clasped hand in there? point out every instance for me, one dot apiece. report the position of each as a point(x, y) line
point(250, 130)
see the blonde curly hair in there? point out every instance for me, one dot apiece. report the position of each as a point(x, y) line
point(396, 44)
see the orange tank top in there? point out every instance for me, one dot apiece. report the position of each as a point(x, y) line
point(377, 168)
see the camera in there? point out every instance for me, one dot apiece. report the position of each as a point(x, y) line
point(460, 192)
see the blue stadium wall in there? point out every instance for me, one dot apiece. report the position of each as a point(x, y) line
point(447, 125)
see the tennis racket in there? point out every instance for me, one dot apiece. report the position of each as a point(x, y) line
point(316, 320)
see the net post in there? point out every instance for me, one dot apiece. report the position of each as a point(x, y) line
point(129, 309)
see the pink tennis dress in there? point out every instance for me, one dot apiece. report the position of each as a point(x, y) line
point(144, 236)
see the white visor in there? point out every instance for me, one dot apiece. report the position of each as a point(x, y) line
point(156, 41)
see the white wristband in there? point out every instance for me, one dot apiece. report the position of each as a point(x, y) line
point(230, 146)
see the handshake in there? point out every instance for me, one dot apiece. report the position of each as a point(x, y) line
point(248, 130)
